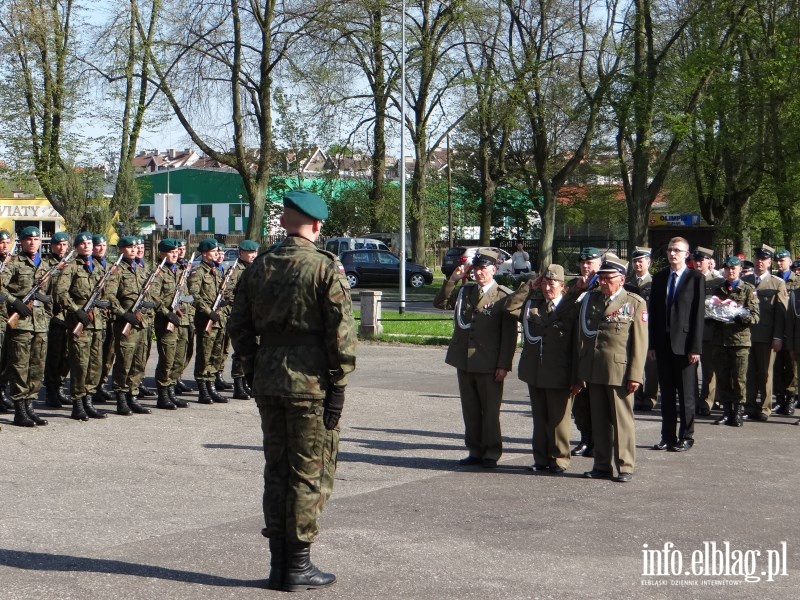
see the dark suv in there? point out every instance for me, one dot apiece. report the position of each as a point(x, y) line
point(381, 266)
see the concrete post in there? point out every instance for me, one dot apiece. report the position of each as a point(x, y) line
point(371, 326)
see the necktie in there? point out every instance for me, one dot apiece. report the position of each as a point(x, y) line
point(549, 306)
point(480, 293)
point(671, 294)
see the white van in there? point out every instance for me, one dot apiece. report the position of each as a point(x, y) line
point(338, 245)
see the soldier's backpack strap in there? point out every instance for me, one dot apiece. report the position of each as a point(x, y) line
point(506, 290)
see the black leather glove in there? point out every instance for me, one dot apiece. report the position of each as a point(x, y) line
point(334, 402)
point(21, 308)
point(174, 318)
point(213, 317)
point(83, 317)
point(741, 320)
point(43, 298)
point(131, 318)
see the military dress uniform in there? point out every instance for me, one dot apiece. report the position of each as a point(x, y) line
point(484, 340)
point(646, 397)
point(610, 352)
point(548, 330)
point(56, 364)
point(296, 299)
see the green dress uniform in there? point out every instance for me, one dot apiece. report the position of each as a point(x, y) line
point(484, 340)
point(184, 341)
point(771, 326)
point(56, 363)
point(610, 351)
point(732, 341)
point(204, 284)
point(545, 364)
point(646, 396)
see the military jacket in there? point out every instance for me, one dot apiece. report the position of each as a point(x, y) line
point(772, 302)
point(792, 283)
point(712, 283)
point(124, 287)
point(18, 278)
point(163, 291)
point(736, 334)
point(548, 336)
point(640, 287)
point(3, 308)
point(204, 284)
point(793, 321)
point(230, 291)
point(55, 312)
point(484, 336)
point(296, 298)
point(611, 341)
point(187, 308)
point(74, 287)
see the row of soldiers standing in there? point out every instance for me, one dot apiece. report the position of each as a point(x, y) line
point(88, 318)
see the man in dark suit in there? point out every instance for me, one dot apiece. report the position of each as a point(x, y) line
point(675, 324)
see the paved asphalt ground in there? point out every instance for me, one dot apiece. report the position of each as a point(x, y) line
point(168, 505)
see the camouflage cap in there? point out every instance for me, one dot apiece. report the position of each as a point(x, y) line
point(30, 232)
point(783, 253)
point(83, 236)
point(206, 245)
point(167, 245)
point(640, 251)
point(126, 241)
point(307, 203)
point(589, 253)
point(248, 246)
point(59, 236)
point(99, 238)
point(764, 251)
point(732, 261)
point(554, 272)
point(485, 258)
point(701, 253)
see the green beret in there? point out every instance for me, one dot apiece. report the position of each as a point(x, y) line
point(249, 246)
point(783, 253)
point(58, 237)
point(167, 244)
point(139, 240)
point(30, 232)
point(83, 236)
point(99, 238)
point(207, 245)
point(732, 261)
point(4, 235)
point(126, 241)
point(589, 253)
point(181, 243)
point(307, 203)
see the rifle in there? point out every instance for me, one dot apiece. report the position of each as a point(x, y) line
point(95, 297)
point(138, 305)
point(28, 298)
point(218, 299)
point(178, 298)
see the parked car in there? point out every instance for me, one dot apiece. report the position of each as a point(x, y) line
point(381, 266)
point(460, 255)
point(337, 245)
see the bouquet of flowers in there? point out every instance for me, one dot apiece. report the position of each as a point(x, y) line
point(723, 310)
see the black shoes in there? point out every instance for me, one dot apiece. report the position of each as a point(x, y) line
point(624, 477)
point(703, 411)
point(21, 418)
point(122, 405)
point(146, 392)
point(164, 400)
point(556, 470)
point(301, 574)
point(182, 388)
point(469, 461)
point(681, 446)
point(582, 449)
point(597, 474)
point(239, 390)
point(538, 468)
point(755, 417)
point(37, 420)
point(212, 393)
point(661, 445)
point(90, 410)
point(489, 463)
point(277, 563)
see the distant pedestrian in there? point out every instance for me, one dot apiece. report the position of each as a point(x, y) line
point(520, 260)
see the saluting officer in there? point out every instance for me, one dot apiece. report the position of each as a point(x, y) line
point(56, 363)
point(609, 362)
point(548, 328)
point(248, 250)
point(184, 344)
point(767, 335)
point(481, 349)
point(5, 246)
point(640, 283)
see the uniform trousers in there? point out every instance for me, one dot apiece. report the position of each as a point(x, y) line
point(184, 350)
point(86, 359)
point(708, 388)
point(730, 369)
point(109, 352)
point(142, 355)
point(759, 379)
point(24, 370)
point(205, 369)
point(551, 426)
point(613, 427)
point(300, 464)
point(56, 363)
point(481, 397)
point(125, 349)
point(166, 345)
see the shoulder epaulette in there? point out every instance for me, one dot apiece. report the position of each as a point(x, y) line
point(507, 291)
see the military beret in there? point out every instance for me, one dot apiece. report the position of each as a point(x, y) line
point(554, 272)
point(589, 253)
point(139, 240)
point(167, 244)
point(83, 236)
point(30, 232)
point(484, 258)
point(732, 261)
point(126, 241)
point(640, 251)
point(4, 234)
point(181, 243)
point(248, 246)
point(796, 264)
point(612, 264)
point(307, 203)
point(99, 238)
point(700, 253)
point(207, 244)
point(59, 236)
point(764, 251)
point(783, 253)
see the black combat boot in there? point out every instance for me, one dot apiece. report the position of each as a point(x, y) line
point(146, 392)
point(212, 393)
point(21, 418)
point(51, 397)
point(164, 400)
point(5, 401)
point(301, 574)
point(277, 563)
point(133, 404)
point(202, 396)
point(239, 391)
point(90, 409)
point(736, 417)
point(181, 388)
point(726, 413)
point(174, 399)
point(101, 395)
point(247, 387)
point(221, 385)
point(78, 412)
point(62, 398)
point(32, 413)
point(122, 404)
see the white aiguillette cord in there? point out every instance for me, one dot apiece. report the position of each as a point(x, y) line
point(457, 320)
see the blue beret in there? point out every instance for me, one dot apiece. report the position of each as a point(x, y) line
point(207, 245)
point(58, 237)
point(99, 238)
point(307, 203)
point(126, 241)
point(30, 232)
point(249, 246)
point(4, 234)
point(83, 236)
point(167, 244)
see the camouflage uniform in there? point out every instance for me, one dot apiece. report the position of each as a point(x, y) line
point(184, 339)
point(295, 298)
point(225, 313)
point(5, 403)
point(222, 345)
point(204, 284)
point(162, 292)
